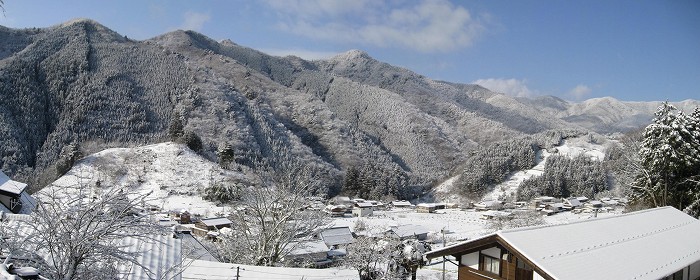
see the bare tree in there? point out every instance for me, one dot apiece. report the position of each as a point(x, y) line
point(75, 233)
point(271, 217)
point(369, 256)
point(407, 256)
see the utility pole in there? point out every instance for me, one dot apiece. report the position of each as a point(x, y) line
point(443, 257)
point(238, 270)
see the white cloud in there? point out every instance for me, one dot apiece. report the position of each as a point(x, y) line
point(427, 26)
point(194, 21)
point(305, 54)
point(580, 92)
point(511, 87)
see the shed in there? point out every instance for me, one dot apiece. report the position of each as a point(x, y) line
point(204, 226)
point(404, 232)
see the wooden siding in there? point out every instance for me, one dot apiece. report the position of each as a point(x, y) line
point(468, 273)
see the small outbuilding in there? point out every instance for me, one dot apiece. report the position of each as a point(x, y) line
point(404, 232)
point(204, 226)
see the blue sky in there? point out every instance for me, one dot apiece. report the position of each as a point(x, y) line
point(632, 50)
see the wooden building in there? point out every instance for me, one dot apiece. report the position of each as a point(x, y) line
point(204, 226)
point(660, 243)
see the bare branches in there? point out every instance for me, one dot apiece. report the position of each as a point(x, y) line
point(79, 235)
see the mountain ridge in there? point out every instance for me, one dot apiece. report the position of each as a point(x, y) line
point(82, 83)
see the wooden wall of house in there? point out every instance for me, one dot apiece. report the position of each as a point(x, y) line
point(468, 273)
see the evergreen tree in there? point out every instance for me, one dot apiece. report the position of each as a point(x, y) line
point(225, 154)
point(670, 159)
point(176, 129)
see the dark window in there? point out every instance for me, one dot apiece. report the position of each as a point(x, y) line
point(676, 276)
point(490, 264)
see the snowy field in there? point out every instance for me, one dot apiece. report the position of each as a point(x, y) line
point(174, 176)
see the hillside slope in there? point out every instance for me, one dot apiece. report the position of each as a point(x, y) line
point(81, 83)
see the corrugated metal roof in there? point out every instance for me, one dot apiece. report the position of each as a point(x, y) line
point(162, 255)
point(337, 236)
point(648, 244)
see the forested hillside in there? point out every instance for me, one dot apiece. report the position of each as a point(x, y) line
point(79, 87)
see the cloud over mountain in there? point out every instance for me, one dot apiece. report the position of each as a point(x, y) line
point(426, 26)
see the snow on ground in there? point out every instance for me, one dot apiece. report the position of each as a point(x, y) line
point(173, 173)
point(510, 186)
point(570, 147)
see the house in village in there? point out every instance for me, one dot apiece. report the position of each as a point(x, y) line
point(204, 226)
point(401, 204)
point(308, 253)
point(430, 207)
point(362, 209)
point(13, 196)
point(404, 232)
point(660, 243)
point(337, 236)
point(335, 210)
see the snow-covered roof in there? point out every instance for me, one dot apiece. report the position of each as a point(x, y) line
point(408, 230)
point(573, 202)
point(400, 203)
point(11, 186)
point(364, 204)
point(226, 271)
point(648, 244)
point(162, 255)
point(212, 222)
point(308, 247)
point(337, 236)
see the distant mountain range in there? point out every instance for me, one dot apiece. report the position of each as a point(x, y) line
point(82, 83)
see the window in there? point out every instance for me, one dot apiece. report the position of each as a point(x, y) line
point(490, 264)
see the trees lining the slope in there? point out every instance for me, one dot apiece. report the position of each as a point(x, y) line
point(564, 177)
point(669, 154)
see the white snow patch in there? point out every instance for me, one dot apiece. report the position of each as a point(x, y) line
point(173, 174)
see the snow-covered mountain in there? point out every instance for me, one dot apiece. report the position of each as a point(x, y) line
point(82, 83)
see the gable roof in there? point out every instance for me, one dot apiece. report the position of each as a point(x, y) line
point(648, 244)
point(337, 236)
point(10, 186)
point(212, 222)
